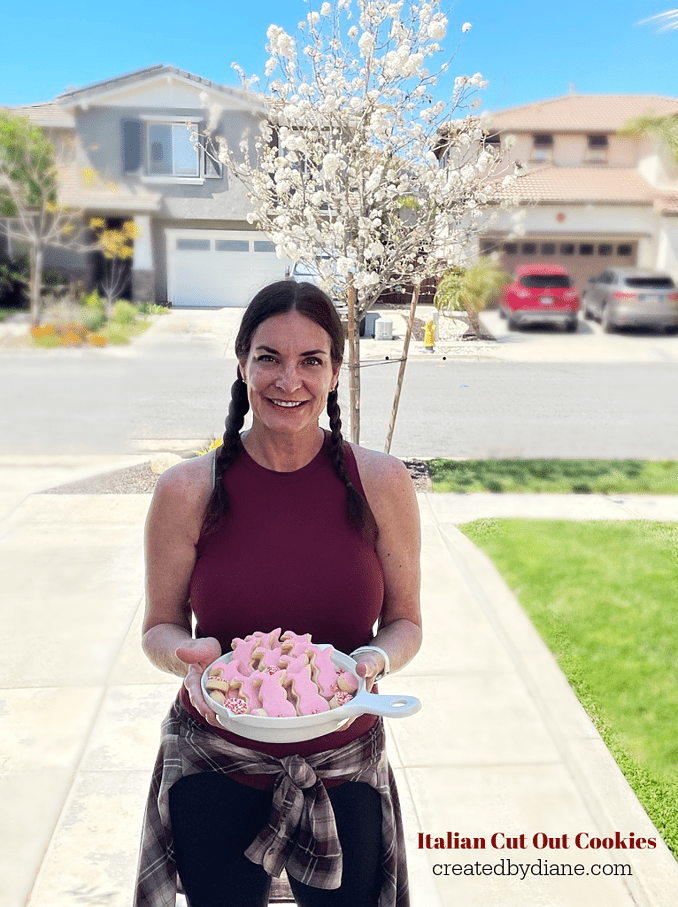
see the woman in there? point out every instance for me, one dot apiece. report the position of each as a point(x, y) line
point(286, 525)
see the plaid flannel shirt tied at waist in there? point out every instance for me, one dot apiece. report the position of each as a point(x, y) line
point(301, 834)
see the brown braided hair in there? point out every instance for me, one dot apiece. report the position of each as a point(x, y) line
point(280, 298)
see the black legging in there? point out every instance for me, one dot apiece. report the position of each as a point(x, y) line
point(215, 819)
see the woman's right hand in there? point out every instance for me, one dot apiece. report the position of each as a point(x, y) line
point(199, 654)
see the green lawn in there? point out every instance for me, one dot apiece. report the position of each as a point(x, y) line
point(603, 597)
point(560, 476)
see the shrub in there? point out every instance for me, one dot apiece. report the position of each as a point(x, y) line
point(92, 318)
point(92, 300)
point(124, 312)
point(152, 308)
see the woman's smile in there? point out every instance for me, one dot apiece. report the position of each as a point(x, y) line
point(289, 373)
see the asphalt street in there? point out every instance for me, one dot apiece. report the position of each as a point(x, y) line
point(455, 408)
point(530, 394)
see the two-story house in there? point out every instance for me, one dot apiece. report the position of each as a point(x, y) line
point(589, 197)
point(130, 156)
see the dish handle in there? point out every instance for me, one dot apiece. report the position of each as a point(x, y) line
point(382, 704)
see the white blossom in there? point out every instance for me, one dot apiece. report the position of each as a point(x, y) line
point(325, 9)
point(466, 27)
point(332, 164)
point(366, 44)
point(437, 28)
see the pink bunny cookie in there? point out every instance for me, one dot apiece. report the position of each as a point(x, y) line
point(303, 692)
point(323, 671)
point(243, 650)
point(268, 659)
point(221, 675)
point(273, 697)
point(293, 663)
point(295, 644)
point(247, 688)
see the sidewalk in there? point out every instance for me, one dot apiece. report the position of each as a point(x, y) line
point(501, 744)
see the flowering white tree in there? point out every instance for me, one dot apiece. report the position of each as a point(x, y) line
point(359, 171)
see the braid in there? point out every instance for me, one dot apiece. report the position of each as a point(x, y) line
point(358, 511)
point(226, 455)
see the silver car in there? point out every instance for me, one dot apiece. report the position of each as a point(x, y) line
point(632, 297)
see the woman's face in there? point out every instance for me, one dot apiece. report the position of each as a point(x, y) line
point(289, 373)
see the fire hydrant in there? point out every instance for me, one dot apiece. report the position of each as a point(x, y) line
point(429, 335)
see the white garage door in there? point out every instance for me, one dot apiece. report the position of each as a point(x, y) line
point(219, 268)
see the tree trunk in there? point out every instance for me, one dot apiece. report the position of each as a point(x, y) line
point(401, 370)
point(474, 320)
point(353, 367)
point(37, 258)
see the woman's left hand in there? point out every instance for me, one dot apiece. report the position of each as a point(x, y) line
point(369, 666)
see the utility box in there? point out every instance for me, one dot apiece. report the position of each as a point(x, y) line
point(383, 329)
point(370, 320)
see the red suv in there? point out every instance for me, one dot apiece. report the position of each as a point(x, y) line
point(540, 293)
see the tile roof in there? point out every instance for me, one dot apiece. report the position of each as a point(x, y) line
point(48, 115)
point(581, 113)
point(611, 185)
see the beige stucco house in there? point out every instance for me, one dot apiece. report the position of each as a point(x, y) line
point(589, 197)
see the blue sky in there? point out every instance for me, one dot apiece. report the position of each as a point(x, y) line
point(526, 49)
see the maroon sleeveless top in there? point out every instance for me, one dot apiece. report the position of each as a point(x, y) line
point(285, 556)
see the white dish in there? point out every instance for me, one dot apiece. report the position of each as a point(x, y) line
point(309, 727)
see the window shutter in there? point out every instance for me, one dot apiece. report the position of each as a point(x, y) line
point(212, 169)
point(131, 145)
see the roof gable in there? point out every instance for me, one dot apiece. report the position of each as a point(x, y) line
point(161, 86)
point(581, 113)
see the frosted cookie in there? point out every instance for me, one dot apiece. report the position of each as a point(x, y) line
point(294, 663)
point(303, 693)
point(236, 705)
point(243, 650)
point(222, 674)
point(268, 659)
point(247, 688)
point(273, 696)
point(323, 671)
point(294, 644)
point(345, 682)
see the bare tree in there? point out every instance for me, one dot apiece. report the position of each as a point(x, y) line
point(29, 207)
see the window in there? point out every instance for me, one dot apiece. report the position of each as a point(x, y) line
point(624, 250)
point(542, 281)
point(650, 283)
point(529, 248)
point(596, 150)
point(261, 245)
point(510, 248)
point(548, 248)
point(605, 249)
point(171, 151)
point(586, 248)
point(163, 150)
point(567, 248)
point(542, 148)
point(193, 245)
point(232, 245)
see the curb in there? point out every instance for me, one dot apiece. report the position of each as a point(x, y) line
point(606, 792)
